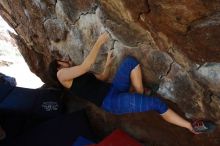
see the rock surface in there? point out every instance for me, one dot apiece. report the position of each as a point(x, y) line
point(177, 44)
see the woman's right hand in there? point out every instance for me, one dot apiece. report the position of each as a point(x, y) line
point(103, 38)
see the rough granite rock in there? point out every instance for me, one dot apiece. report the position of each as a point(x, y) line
point(176, 42)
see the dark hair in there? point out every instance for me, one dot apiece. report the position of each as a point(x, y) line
point(53, 70)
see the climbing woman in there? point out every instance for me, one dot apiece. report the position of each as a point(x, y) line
point(115, 97)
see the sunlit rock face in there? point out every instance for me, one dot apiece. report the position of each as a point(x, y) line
point(177, 44)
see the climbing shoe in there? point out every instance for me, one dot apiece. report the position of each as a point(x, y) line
point(151, 89)
point(200, 126)
point(147, 91)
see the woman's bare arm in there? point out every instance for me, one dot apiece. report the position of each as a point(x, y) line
point(106, 72)
point(67, 74)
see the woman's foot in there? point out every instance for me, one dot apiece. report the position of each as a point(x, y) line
point(2, 134)
point(151, 90)
point(200, 126)
point(147, 91)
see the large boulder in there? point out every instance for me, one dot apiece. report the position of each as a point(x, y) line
point(177, 44)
